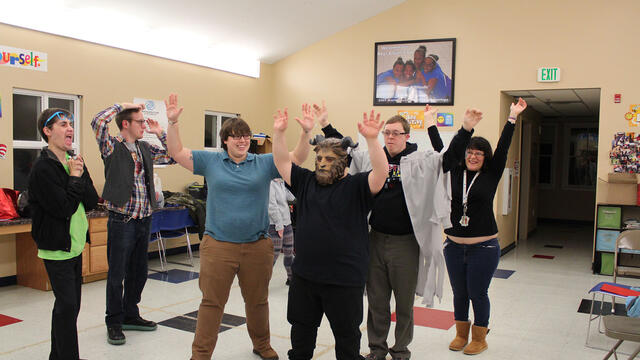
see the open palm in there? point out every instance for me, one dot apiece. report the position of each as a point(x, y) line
point(307, 121)
point(370, 126)
point(281, 120)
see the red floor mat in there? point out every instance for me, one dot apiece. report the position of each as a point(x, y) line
point(432, 318)
point(8, 320)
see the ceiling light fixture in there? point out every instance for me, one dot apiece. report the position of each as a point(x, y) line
point(99, 25)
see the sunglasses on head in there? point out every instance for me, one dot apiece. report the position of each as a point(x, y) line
point(61, 116)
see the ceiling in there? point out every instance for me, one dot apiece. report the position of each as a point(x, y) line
point(562, 103)
point(266, 31)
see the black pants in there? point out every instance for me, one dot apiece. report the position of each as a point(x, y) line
point(342, 305)
point(127, 254)
point(66, 281)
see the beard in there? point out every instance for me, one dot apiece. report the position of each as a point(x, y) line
point(335, 173)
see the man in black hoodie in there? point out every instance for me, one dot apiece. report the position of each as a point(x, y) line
point(394, 252)
point(60, 190)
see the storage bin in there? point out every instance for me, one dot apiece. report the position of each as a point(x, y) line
point(606, 240)
point(609, 217)
point(606, 264)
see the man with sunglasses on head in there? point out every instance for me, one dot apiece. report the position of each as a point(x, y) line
point(60, 190)
point(130, 198)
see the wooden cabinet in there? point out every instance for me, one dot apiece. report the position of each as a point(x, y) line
point(94, 264)
point(30, 270)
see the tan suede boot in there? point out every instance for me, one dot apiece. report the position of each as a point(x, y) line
point(462, 336)
point(478, 343)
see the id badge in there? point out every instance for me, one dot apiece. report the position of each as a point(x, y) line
point(464, 220)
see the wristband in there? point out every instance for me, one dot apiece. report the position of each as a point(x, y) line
point(173, 122)
point(512, 119)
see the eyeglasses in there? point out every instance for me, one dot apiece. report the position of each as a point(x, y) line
point(475, 153)
point(61, 116)
point(140, 122)
point(388, 133)
point(238, 137)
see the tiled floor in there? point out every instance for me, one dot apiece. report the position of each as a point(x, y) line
point(534, 312)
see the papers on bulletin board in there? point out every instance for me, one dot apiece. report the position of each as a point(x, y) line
point(155, 110)
point(418, 137)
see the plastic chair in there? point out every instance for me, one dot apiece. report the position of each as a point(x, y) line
point(168, 223)
point(622, 328)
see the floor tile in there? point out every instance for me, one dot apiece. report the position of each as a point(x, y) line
point(503, 274)
point(174, 276)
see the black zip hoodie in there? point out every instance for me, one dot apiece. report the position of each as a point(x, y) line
point(54, 197)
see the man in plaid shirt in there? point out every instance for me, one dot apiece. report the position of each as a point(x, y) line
point(130, 199)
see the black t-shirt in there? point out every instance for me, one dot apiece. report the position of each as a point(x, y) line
point(331, 242)
point(390, 214)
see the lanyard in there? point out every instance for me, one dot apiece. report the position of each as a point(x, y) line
point(465, 191)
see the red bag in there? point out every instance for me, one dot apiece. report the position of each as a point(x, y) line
point(8, 204)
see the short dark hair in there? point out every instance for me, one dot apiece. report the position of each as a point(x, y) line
point(45, 115)
point(125, 114)
point(399, 119)
point(233, 127)
point(481, 144)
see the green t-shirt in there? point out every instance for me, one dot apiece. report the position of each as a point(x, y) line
point(77, 230)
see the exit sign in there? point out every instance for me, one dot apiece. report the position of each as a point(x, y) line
point(548, 74)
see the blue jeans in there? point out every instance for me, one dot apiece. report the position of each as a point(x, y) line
point(471, 268)
point(127, 254)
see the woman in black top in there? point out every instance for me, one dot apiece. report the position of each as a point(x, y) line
point(472, 250)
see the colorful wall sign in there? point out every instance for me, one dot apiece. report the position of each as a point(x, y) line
point(23, 59)
point(444, 119)
point(633, 116)
point(415, 118)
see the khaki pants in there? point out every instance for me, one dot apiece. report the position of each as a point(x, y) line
point(220, 262)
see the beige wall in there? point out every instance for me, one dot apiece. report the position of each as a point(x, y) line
point(499, 47)
point(103, 76)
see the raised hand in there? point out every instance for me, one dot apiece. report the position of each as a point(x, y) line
point(518, 107)
point(430, 114)
point(173, 112)
point(307, 121)
point(370, 126)
point(471, 118)
point(154, 127)
point(321, 114)
point(281, 120)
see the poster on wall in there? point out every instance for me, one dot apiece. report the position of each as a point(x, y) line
point(415, 118)
point(416, 72)
point(155, 110)
point(23, 59)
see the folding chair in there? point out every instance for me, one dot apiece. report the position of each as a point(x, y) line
point(622, 328)
point(171, 222)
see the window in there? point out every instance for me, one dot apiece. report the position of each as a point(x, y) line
point(582, 156)
point(546, 173)
point(27, 142)
point(212, 123)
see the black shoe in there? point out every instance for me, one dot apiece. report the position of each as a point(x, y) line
point(115, 335)
point(139, 324)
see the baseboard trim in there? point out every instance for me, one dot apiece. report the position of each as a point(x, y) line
point(8, 280)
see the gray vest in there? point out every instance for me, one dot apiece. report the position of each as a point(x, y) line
point(119, 169)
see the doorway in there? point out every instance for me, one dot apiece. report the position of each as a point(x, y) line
point(559, 152)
